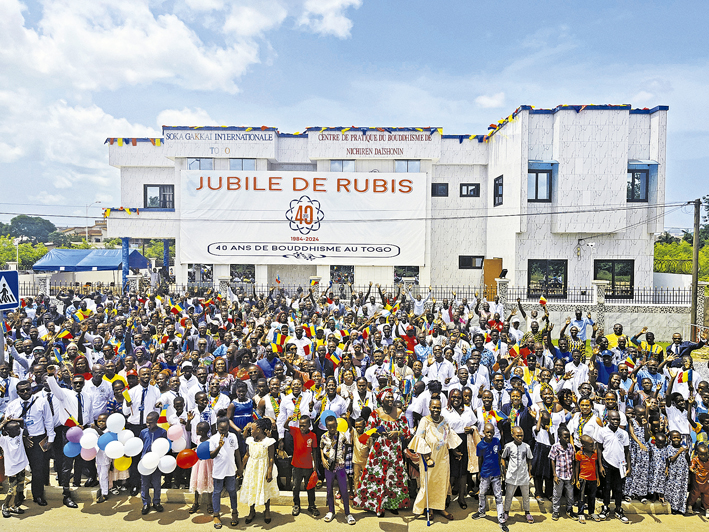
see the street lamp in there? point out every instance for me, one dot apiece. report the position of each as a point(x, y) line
point(87, 219)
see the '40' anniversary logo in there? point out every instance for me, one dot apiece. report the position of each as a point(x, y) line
point(304, 215)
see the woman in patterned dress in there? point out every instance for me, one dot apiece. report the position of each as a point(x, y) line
point(677, 471)
point(638, 483)
point(383, 485)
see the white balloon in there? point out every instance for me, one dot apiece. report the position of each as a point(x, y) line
point(179, 445)
point(143, 470)
point(151, 460)
point(114, 450)
point(161, 446)
point(133, 447)
point(167, 464)
point(116, 422)
point(91, 431)
point(88, 440)
point(124, 436)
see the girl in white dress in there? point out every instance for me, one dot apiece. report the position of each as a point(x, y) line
point(259, 477)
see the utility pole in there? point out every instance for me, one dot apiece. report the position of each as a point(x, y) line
point(695, 261)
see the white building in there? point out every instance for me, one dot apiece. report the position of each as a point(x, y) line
point(561, 196)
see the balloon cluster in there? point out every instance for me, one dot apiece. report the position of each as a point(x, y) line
point(122, 447)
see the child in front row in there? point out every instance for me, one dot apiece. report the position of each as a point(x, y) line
point(201, 480)
point(332, 450)
point(700, 477)
point(677, 473)
point(16, 462)
point(305, 443)
point(562, 465)
point(587, 478)
point(103, 462)
point(488, 452)
point(517, 467)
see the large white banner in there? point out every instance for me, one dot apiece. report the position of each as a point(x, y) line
point(371, 219)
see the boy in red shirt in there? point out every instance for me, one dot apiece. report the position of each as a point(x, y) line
point(586, 477)
point(305, 442)
point(700, 478)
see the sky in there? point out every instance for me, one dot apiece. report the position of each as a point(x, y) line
point(74, 72)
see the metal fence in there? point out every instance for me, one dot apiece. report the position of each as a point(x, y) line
point(580, 295)
point(528, 294)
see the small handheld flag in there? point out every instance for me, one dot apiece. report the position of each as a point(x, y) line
point(278, 279)
point(306, 350)
point(279, 339)
point(334, 358)
point(309, 331)
point(313, 282)
point(276, 348)
point(684, 376)
point(126, 395)
point(630, 363)
point(542, 300)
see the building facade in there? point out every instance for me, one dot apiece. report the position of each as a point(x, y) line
point(557, 197)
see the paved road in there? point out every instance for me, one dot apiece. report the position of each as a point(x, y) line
point(119, 515)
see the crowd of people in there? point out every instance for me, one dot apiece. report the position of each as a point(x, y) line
point(389, 401)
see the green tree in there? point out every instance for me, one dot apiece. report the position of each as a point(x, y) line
point(34, 228)
point(154, 250)
point(29, 254)
point(666, 238)
point(112, 243)
point(60, 240)
point(4, 229)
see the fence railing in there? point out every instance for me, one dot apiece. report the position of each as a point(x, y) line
point(526, 294)
point(650, 296)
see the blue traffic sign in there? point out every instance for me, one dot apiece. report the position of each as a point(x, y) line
point(9, 290)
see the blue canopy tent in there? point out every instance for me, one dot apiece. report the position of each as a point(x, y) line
point(88, 260)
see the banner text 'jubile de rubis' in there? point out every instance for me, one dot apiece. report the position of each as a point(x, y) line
point(273, 217)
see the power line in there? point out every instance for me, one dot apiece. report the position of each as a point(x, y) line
point(595, 210)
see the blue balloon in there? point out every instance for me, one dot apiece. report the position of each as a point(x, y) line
point(72, 449)
point(105, 439)
point(203, 450)
point(327, 414)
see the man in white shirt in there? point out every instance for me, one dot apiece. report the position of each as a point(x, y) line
point(419, 305)
point(297, 400)
point(143, 399)
point(439, 369)
point(76, 406)
point(376, 369)
point(38, 424)
point(614, 448)
point(226, 462)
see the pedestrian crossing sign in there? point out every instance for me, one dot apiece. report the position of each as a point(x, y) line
point(9, 290)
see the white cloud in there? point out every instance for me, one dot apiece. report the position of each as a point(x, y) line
point(327, 17)
point(185, 117)
point(100, 44)
point(488, 102)
point(254, 19)
point(45, 198)
point(642, 97)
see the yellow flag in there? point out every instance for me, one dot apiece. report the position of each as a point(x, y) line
point(157, 142)
point(440, 131)
point(107, 213)
point(120, 141)
point(248, 129)
point(128, 210)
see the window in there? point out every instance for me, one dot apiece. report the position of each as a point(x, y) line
point(470, 190)
point(159, 196)
point(439, 190)
point(470, 262)
point(620, 275)
point(200, 164)
point(342, 166)
point(497, 191)
point(407, 166)
point(637, 185)
point(406, 271)
point(342, 274)
point(242, 273)
point(539, 185)
point(200, 273)
point(547, 278)
point(242, 164)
